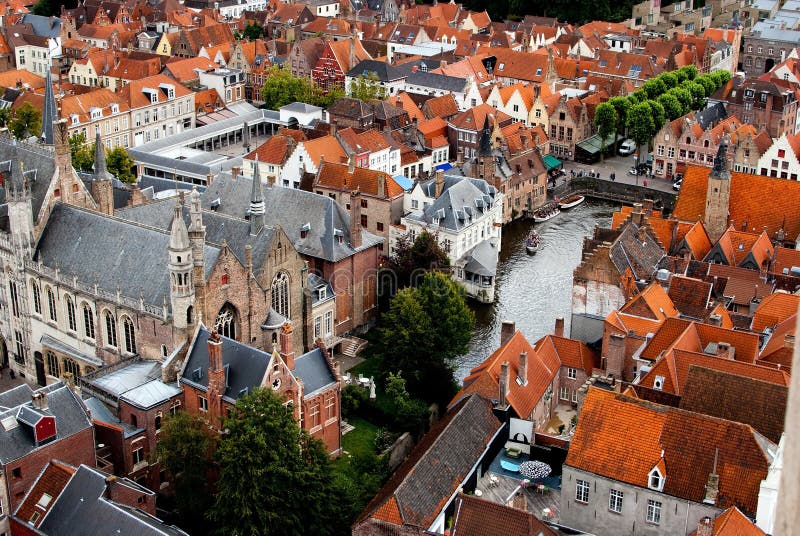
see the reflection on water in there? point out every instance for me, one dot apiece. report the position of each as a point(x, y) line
point(534, 290)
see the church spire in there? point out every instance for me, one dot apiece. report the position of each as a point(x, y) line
point(485, 148)
point(720, 170)
point(181, 265)
point(257, 208)
point(246, 137)
point(50, 113)
point(100, 171)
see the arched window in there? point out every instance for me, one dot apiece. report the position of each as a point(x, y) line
point(226, 321)
point(130, 335)
point(88, 321)
point(37, 297)
point(280, 294)
point(190, 315)
point(51, 305)
point(72, 322)
point(111, 329)
point(52, 365)
point(72, 366)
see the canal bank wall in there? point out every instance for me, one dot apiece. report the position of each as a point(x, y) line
point(617, 192)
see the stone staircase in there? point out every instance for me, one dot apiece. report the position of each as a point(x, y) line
point(352, 345)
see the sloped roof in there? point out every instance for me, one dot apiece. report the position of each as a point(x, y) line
point(474, 516)
point(569, 352)
point(275, 150)
point(52, 482)
point(653, 302)
point(721, 394)
point(474, 118)
point(367, 181)
point(462, 200)
point(690, 296)
point(774, 309)
point(732, 522)
point(422, 486)
point(685, 444)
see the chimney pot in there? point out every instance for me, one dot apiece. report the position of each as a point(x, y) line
point(559, 329)
point(523, 368)
point(286, 344)
point(705, 527)
point(214, 352)
point(439, 183)
point(507, 330)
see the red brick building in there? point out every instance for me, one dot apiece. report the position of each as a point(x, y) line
point(336, 59)
point(218, 371)
point(36, 426)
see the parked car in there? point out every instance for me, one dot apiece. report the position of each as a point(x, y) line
point(627, 147)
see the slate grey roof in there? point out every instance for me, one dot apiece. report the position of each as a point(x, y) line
point(408, 67)
point(50, 114)
point(711, 115)
point(100, 412)
point(382, 70)
point(151, 394)
point(438, 465)
point(110, 252)
point(43, 26)
point(83, 504)
point(16, 396)
point(315, 282)
point(34, 157)
point(313, 369)
point(301, 107)
point(643, 257)
point(64, 348)
point(138, 384)
point(246, 365)
point(437, 81)
point(62, 403)
point(459, 192)
point(482, 259)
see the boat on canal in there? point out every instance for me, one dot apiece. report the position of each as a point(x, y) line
point(546, 212)
point(571, 201)
point(532, 243)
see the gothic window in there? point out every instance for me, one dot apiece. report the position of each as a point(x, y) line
point(71, 320)
point(14, 298)
point(88, 321)
point(189, 315)
point(130, 335)
point(52, 365)
point(20, 347)
point(280, 294)
point(226, 321)
point(51, 305)
point(71, 366)
point(37, 298)
point(111, 329)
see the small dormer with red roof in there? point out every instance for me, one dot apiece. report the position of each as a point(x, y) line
point(41, 425)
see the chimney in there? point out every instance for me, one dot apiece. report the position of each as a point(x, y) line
point(641, 234)
point(705, 527)
point(507, 330)
point(209, 179)
point(715, 320)
point(712, 486)
point(637, 216)
point(460, 156)
point(647, 206)
point(523, 368)
point(725, 350)
point(286, 345)
point(615, 355)
point(381, 185)
point(788, 341)
point(334, 127)
point(214, 352)
point(559, 329)
point(351, 164)
point(39, 400)
point(439, 183)
point(504, 382)
point(355, 218)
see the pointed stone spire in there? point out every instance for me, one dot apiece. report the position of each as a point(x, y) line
point(257, 208)
point(485, 148)
point(50, 112)
point(246, 137)
point(720, 170)
point(178, 234)
point(100, 171)
point(19, 186)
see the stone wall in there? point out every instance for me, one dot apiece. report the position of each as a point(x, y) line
point(617, 191)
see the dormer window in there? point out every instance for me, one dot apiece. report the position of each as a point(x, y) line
point(96, 113)
point(655, 480)
point(322, 292)
point(115, 108)
point(74, 119)
point(304, 230)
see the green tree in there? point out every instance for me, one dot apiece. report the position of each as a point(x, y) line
point(82, 152)
point(654, 87)
point(605, 119)
point(410, 415)
point(684, 97)
point(273, 478)
point(184, 449)
point(367, 88)
point(698, 93)
point(27, 121)
point(641, 126)
point(621, 106)
point(708, 84)
point(281, 88)
point(669, 79)
point(412, 260)
point(690, 71)
point(120, 164)
point(5, 116)
point(659, 115)
point(720, 77)
point(252, 31)
point(672, 106)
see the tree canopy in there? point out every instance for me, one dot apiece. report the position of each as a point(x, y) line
point(120, 164)
point(605, 119)
point(641, 126)
point(281, 88)
point(273, 478)
point(366, 88)
point(82, 152)
point(412, 260)
point(27, 121)
point(252, 31)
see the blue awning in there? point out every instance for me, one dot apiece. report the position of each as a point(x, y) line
point(444, 167)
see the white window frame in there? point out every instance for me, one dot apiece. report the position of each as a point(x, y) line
point(615, 498)
point(654, 512)
point(582, 491)
point(572, 373)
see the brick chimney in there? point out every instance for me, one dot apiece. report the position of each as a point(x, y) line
point(715, 320)
point(214, 351)
point(381, 185)
point(286, 345)
point(615, 355)
point(503, 384)
point(39, 400)
point(725, 350)
point(647, 206)
point(788, 341)
point(355, 218)
point(705, 527)
point(507, 330)
point(523, 368)
point(216, 373)
point(559, 329)
point(439, 183)
point(712, 486)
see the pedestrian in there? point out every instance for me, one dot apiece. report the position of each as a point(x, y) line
point(644, 183)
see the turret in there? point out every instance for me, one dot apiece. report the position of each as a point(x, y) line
point(257, 208)
point(20, 211)
point(718, 194)
point(197, 237)
point(102, 185)
point(181, 279)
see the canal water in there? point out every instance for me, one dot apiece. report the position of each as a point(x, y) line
point(534, 290)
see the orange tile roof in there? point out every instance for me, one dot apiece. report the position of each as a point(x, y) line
point(569, 352)
point(136, 98)
point(758, 200)
point(473, 118)
point(367, 181)
point(664, 337)
point(325, 146)
point(785, 259)
point(18, 76)
point(341, 51)
point(774, 309)
point(684, 444)
point(780, 345)
point(697, 240)
point(275, 150)
point(443, 106)
point(52, 481)
point(403, 101)
point(732, 522)
point(82, 104)
point(652, 303)
point(183, 69)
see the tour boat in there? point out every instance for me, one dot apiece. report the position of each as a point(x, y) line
point(532, 243)
point(571, 201)
point(546, 212)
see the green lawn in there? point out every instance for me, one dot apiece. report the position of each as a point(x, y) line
point(361, 440)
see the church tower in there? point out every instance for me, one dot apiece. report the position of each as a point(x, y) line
point(197, 237)
point(20, 211)
point(484, 163)
point(257, 208)
point(181, 265)
point(102, 185)
point(718, 195)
